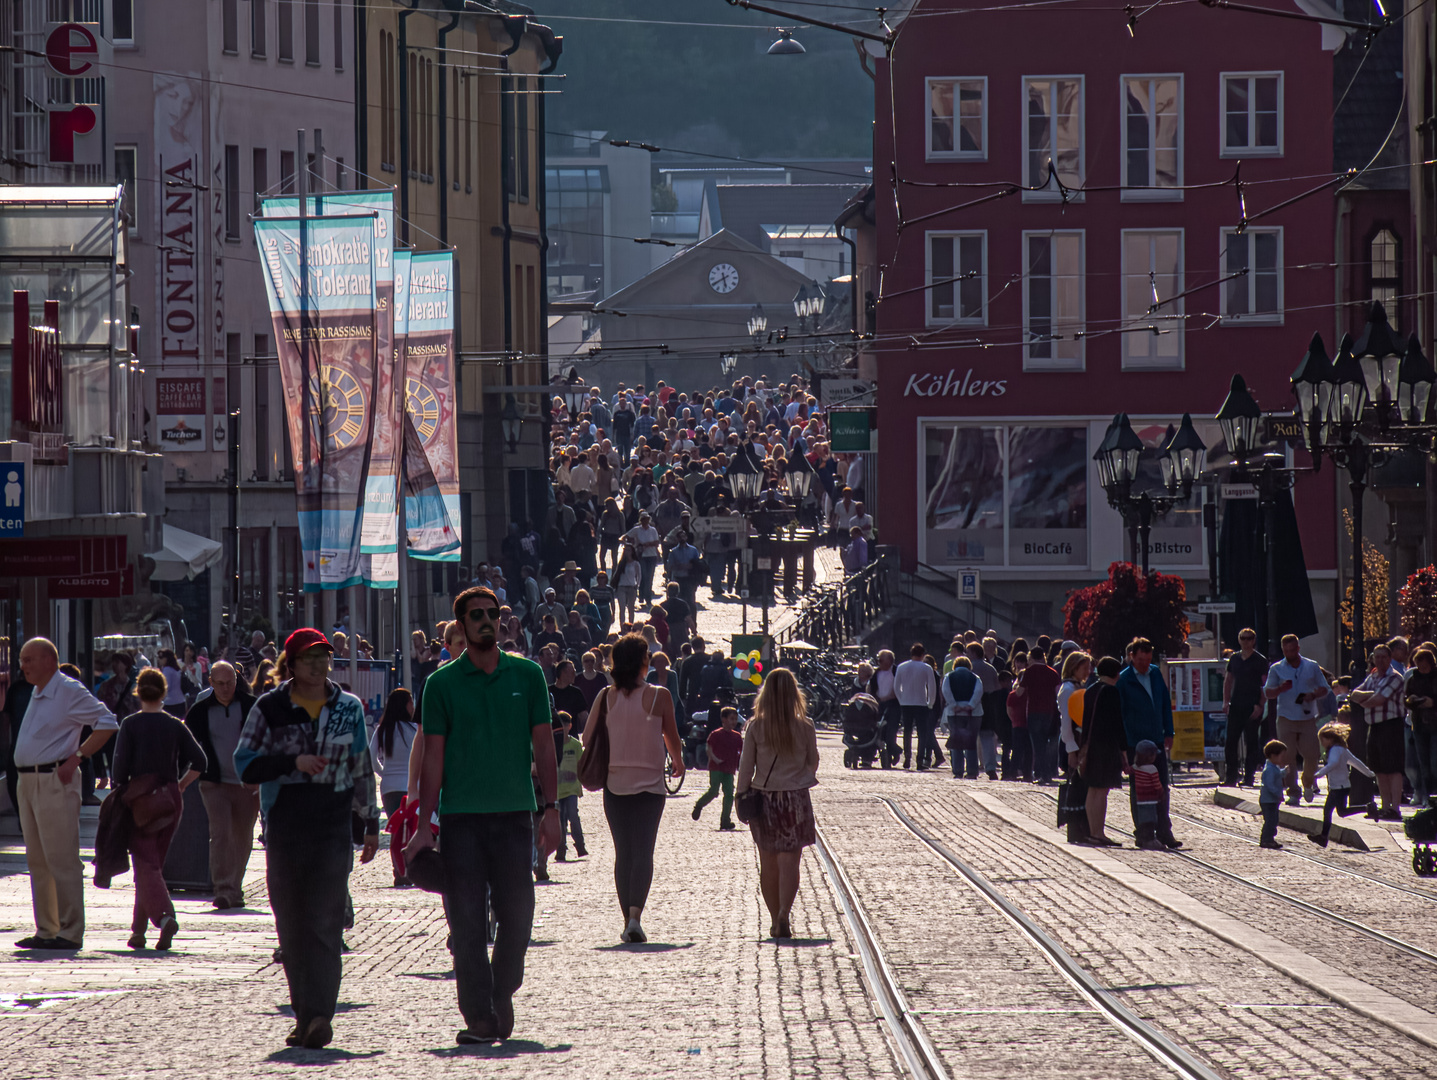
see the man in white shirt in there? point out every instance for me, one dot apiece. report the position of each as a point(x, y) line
point(646, 542)
point(916, 688)
point(1296, 683)
point(581, 476)
point(862, 522)
point(47, 757)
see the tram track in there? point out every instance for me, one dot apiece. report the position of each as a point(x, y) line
point(917, 1051)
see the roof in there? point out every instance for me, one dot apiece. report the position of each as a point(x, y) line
point(751, 210)
point(703, 252)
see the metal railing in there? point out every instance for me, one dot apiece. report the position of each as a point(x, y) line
point(834, 613)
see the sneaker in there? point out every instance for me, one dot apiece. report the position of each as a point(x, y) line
point(470, 1037)
point(1172, 843)
point(137, 940)
point(317, 1034)
point(698, 811)
point(541, 874)
point(1320, 839)
point(1310, 794)
point(727, 826)
point(60, 944)
point(1295, 799)
point(168, 929)
point(1271, 845)
point(34, 941)
point(1153, 844)
point(504, 1014)
point(992, 776)
point(633, 933)
point(1393, 814)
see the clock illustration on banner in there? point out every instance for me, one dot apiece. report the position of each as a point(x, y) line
point(723, 278)
point(342, 399)
point(423, 408)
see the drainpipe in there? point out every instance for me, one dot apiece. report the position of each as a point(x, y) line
point(361, 90)
point(514, 26)
point(444, 130)
point(404, 90)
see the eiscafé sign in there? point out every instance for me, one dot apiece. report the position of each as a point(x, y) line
point(952, 384)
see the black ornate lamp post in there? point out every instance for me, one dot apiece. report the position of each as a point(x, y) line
point(1118, 457)
point(800, 477)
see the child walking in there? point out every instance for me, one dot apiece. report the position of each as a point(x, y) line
point(569, 791)
point(1148, 789)
point(1274, 778)
point(1340, 762)
point(725, 746)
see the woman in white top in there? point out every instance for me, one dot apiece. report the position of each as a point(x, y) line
point(780, 758)
point(1077, 669)
point(640, 722)
point(390, 747)
point(627, 575)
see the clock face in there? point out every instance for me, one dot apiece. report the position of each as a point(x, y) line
point(723, 278)
point(338, 399)
point(423, 408)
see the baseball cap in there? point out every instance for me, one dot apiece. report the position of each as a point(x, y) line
point(305, 638)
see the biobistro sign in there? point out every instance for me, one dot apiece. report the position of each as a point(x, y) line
point(953, 384)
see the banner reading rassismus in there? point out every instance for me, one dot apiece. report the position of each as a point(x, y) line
point(432, 515)
point(331, 347)
point(379, 533)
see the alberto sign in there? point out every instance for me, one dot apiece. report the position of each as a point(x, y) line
point(952, 385)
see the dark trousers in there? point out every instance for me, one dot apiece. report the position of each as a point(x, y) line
point(928, 751)
point(1243, 729)
point(1336, 802)
point(308, 854)
point(1269, 821)
point(1164, 819)
point(1043, 733)
point(720, 782)
point(646, 577)
point(147, 851)
point(390, 800)
point(634, 825)
point(721, 572)
point(890, 713)
point(1020, 763)
point(488, 856)
point(914, 717)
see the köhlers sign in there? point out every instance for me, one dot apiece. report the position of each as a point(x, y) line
point(951, 384)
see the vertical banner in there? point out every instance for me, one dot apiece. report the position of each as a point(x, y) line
point(379, 532)
point(433, 515)
point(383, 570)
point(327, 361)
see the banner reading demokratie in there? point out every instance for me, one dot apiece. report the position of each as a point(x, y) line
point(382, 571)
point(379, 533)
point(433, 523)
point(333, 346)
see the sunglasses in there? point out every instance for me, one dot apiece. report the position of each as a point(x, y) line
point(476, 614)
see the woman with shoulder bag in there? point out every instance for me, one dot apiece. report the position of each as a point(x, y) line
point(632, 726)
point(156, 758)
point(779, 764)
point(1102, 755)
point(1421, 701)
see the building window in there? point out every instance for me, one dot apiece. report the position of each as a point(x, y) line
point(429, 118)
point(1053, 137)
point(338, 35)
point(122, 22)
point(284, 30)
point(127, 159)
point(958, 119)
point(229, 22)
point(1384, 271)
point(1152, 137)
point(286, 172)
point(1053, 298)
point(957, 278)
point(1252, 115)
point(1152, 330)
point(574, 199)
point(259, 174)
point(232, 193)
point(1255, 295)
point(311, 32)
point(256, 27)
point(388, 107)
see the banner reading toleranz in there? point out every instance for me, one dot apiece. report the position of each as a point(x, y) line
point(433, 522)
point(326, 343)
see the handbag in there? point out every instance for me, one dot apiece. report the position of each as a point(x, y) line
point(594, 761)
point(151, 805)
point(748, 806)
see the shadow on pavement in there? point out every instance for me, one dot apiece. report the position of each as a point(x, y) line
point(508, 1049)
point(647, 947)
point(297, 1055)
point(802, 942)
point(433, 976)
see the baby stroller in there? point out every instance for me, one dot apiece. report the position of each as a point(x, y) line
point(863, 732)
point(1421, 829)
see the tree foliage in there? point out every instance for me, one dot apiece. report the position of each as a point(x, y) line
point(1417, 602)
point(1376, 581)
point(1103, 618)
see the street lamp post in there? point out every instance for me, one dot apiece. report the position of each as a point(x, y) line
point(1118, 457)
point(745, 477)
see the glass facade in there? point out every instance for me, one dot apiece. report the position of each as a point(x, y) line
point(576, 224)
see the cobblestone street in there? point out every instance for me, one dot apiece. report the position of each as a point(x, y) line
point(708, 997)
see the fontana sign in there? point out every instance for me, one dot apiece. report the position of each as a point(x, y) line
point(950, 385)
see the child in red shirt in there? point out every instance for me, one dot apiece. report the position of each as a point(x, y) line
point(725, 746)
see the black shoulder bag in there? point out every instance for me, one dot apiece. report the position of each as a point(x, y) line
point(749, 805)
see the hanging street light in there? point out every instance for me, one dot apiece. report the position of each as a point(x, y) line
point(1414, 384)
point(800, 476)
point(744, 476)
point(1379, 355)
point(785, 45)
point(727, 362)
point(1239, 419)
point(1313, 385)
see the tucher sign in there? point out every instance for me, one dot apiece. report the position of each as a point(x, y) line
point(180, 412)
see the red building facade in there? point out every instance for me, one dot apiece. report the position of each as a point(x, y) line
point(1059, 239)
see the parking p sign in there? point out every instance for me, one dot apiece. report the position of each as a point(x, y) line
point(968, 586)
point(12, 498)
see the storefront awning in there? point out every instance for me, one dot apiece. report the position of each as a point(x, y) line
point(184, 556)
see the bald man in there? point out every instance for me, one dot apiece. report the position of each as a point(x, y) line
point(216, 719)
point(47, 757)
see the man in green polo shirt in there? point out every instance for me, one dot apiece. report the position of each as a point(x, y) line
point(486, 720)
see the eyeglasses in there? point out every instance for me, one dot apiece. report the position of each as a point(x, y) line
point(475, 614)
point(316, 658)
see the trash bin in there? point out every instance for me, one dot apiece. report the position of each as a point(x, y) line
point(187, 866)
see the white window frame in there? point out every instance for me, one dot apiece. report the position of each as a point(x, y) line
point(1044, 363)
point(1152, 194)
point(1052, 194)
point(1223, 150)
point(1143, 363)
point(1225, 236)
point(954, 234)
point(129, 42)
point(953, 155)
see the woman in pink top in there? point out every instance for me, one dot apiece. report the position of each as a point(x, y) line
point(640, 722)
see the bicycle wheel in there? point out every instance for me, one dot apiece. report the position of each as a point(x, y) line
point(672, 784)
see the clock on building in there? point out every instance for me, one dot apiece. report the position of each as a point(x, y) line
point(723, 278)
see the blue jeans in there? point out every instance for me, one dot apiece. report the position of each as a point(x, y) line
point(1043, 731)
point(488, 855)
point(569, 822)
point(1269, 821)
point(646, 582)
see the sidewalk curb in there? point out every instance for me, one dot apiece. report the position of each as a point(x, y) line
point(1351, 834)
point(1346, 990)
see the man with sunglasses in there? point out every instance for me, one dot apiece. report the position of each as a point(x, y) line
point(1243, 701)
point(486, 720)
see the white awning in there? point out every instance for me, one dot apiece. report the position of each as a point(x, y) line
point(184, 556)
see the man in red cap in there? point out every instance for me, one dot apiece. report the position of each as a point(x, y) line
point(306, 746)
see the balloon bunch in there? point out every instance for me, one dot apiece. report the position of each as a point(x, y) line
point(749, 668)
